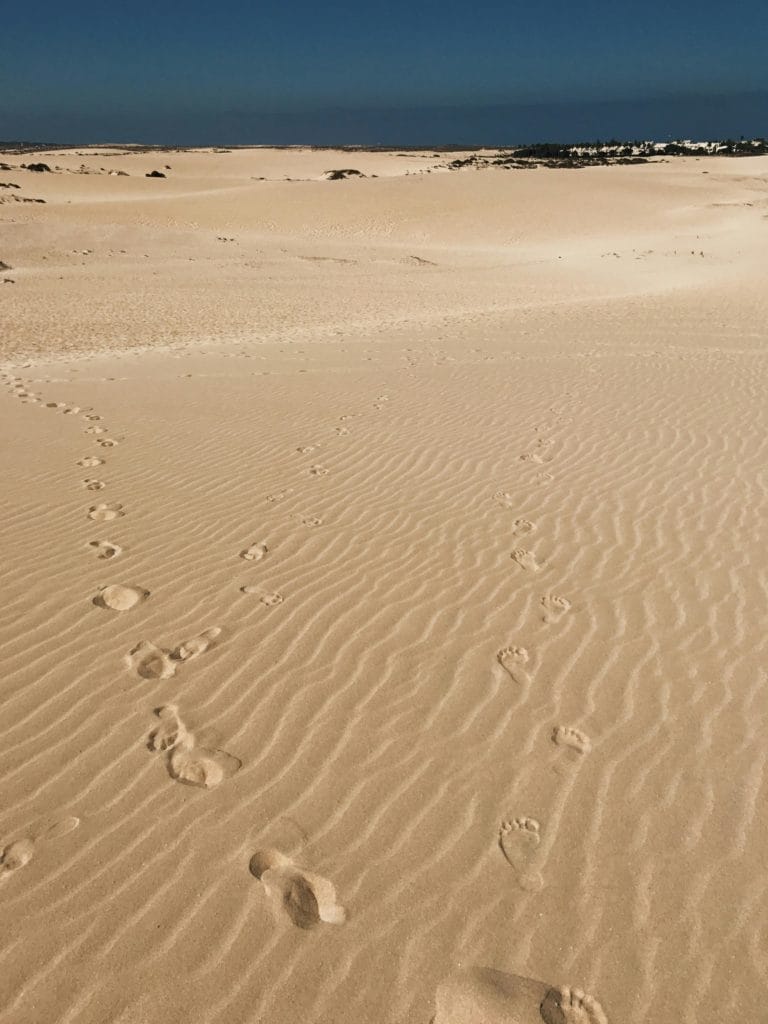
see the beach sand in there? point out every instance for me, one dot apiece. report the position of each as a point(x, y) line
point(384, 590)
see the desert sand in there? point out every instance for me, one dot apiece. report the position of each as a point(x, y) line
point(384, 590)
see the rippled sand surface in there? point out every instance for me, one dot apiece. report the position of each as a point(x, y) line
point(384, 591)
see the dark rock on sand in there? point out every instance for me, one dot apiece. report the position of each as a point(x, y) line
point(344, 172)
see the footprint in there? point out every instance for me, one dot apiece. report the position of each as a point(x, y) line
point(255, 552)
point(317, 471)
point(544, 478)
point(278, 496)
point(312, 521)
point(104, 513)
point(93, 485)
point(504, 498)
point(200, 766)
point(268, 599)
point(513, 656)
point(512, 659)
point(119, 598)
point(89, 461)
point(521, 527)
point(307, 899)
point(566, 736)
point(197, 645)
point(519, 840)
point(571, 1006)
point(107, 442)
point(95, 430)
point(533, 457)
point(187, 762)
point(342, 431)
point(91, 416)
point(16, 855)
point(526, 559)
point(105, 548)
point(150, 661)
point(555, 607)
point(20, 852)
point(305, 449)
point(170, 732)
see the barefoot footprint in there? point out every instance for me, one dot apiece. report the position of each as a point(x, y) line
point(255, 552)
point(567, 736)
point(106, 512)
point(311, 521)
point(519, 839)
point(120, 598)
point(306, 898)
point(571, 1006)
point(187, 762)
point(93, 485)
point(105, 548)
point(170, 731)
point(89, 461)
point(555, 607)
point(20, 852)
point(150, 661)
point(197, 645)
point(504, 498)
point(200, 766)
point(266, 597)
point(512, 659)
point(526, 559)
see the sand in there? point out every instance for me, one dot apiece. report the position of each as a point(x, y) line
point(403, 536)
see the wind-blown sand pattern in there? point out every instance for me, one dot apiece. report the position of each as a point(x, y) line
point(363, 405)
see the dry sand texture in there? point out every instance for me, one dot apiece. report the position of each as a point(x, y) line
point(384, 591)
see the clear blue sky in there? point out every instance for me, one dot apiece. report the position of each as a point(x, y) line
point(183, 72)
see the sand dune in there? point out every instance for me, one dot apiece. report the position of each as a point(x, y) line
point(384, 592)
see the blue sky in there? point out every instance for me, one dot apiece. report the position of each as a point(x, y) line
point(181, 72)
